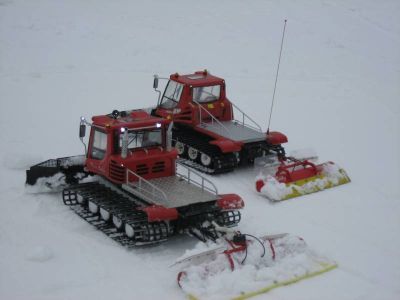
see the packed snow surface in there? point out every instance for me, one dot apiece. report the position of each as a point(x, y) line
point(338, 92)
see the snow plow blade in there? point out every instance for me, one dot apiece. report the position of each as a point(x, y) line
point(244, 268)
point(294, 178)
point(59, 171)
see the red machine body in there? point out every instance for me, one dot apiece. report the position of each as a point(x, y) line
point(132, 149)
point(149, 161)
point(198, 105)
point(139, 195)
point(186, 111)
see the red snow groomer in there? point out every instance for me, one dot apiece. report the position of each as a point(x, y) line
point(139, 195)
point(211, 133)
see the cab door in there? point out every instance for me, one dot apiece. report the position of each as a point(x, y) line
point(97, 157)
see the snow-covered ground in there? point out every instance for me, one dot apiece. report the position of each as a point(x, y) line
point(338, 92)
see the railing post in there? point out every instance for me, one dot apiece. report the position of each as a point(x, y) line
point(144, 187)
point(201, 119)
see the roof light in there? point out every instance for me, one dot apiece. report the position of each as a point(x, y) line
point(158, 125)
point(123, 129)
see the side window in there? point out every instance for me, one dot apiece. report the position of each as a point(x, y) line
point(206, 94)
point(172, 95)
point(99, 145)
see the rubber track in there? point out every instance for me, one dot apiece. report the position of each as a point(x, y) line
point(222, 162)
point(116, 204)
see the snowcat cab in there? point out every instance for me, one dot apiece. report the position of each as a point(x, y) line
point(129, 140)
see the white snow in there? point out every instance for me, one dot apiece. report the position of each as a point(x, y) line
point(338, 93)
point(40, 254)
point(273, 189)
point(290, 259)
point(304, 153)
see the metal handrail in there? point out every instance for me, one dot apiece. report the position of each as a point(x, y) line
point(145, 188)
point(244, 116)
point(189, 178)
point(212, 117)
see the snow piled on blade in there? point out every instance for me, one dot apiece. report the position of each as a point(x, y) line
point(286, 260)
point(273, 189)
point(331, 175)
point(53, 183)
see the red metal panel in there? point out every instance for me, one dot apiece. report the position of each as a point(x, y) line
point(136, 119)
point(230, 201)
point(259, 185)
point(157, 213)
point(227, 146)
point(298, 170)
point(200, 78)
point(276, 138)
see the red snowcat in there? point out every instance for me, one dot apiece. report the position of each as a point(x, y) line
point(140, 196)
point(207, 133)
point(213, 135)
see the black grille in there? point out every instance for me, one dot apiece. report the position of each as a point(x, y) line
point(142, 169)
point(117, 172)
point(158, 167)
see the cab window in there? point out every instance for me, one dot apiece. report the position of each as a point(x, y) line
point(172, 95)
point(142, 139)
point(206, 94)
point(99, 145)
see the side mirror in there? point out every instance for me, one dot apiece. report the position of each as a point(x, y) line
point(155, 82)
point(82, 130)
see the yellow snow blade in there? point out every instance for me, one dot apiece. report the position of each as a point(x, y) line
point(314, 184)
point(325, 268)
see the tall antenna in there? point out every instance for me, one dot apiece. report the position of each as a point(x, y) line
point(276, 77)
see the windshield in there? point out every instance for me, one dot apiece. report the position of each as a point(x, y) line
point(142, 139)
point(171, 95)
